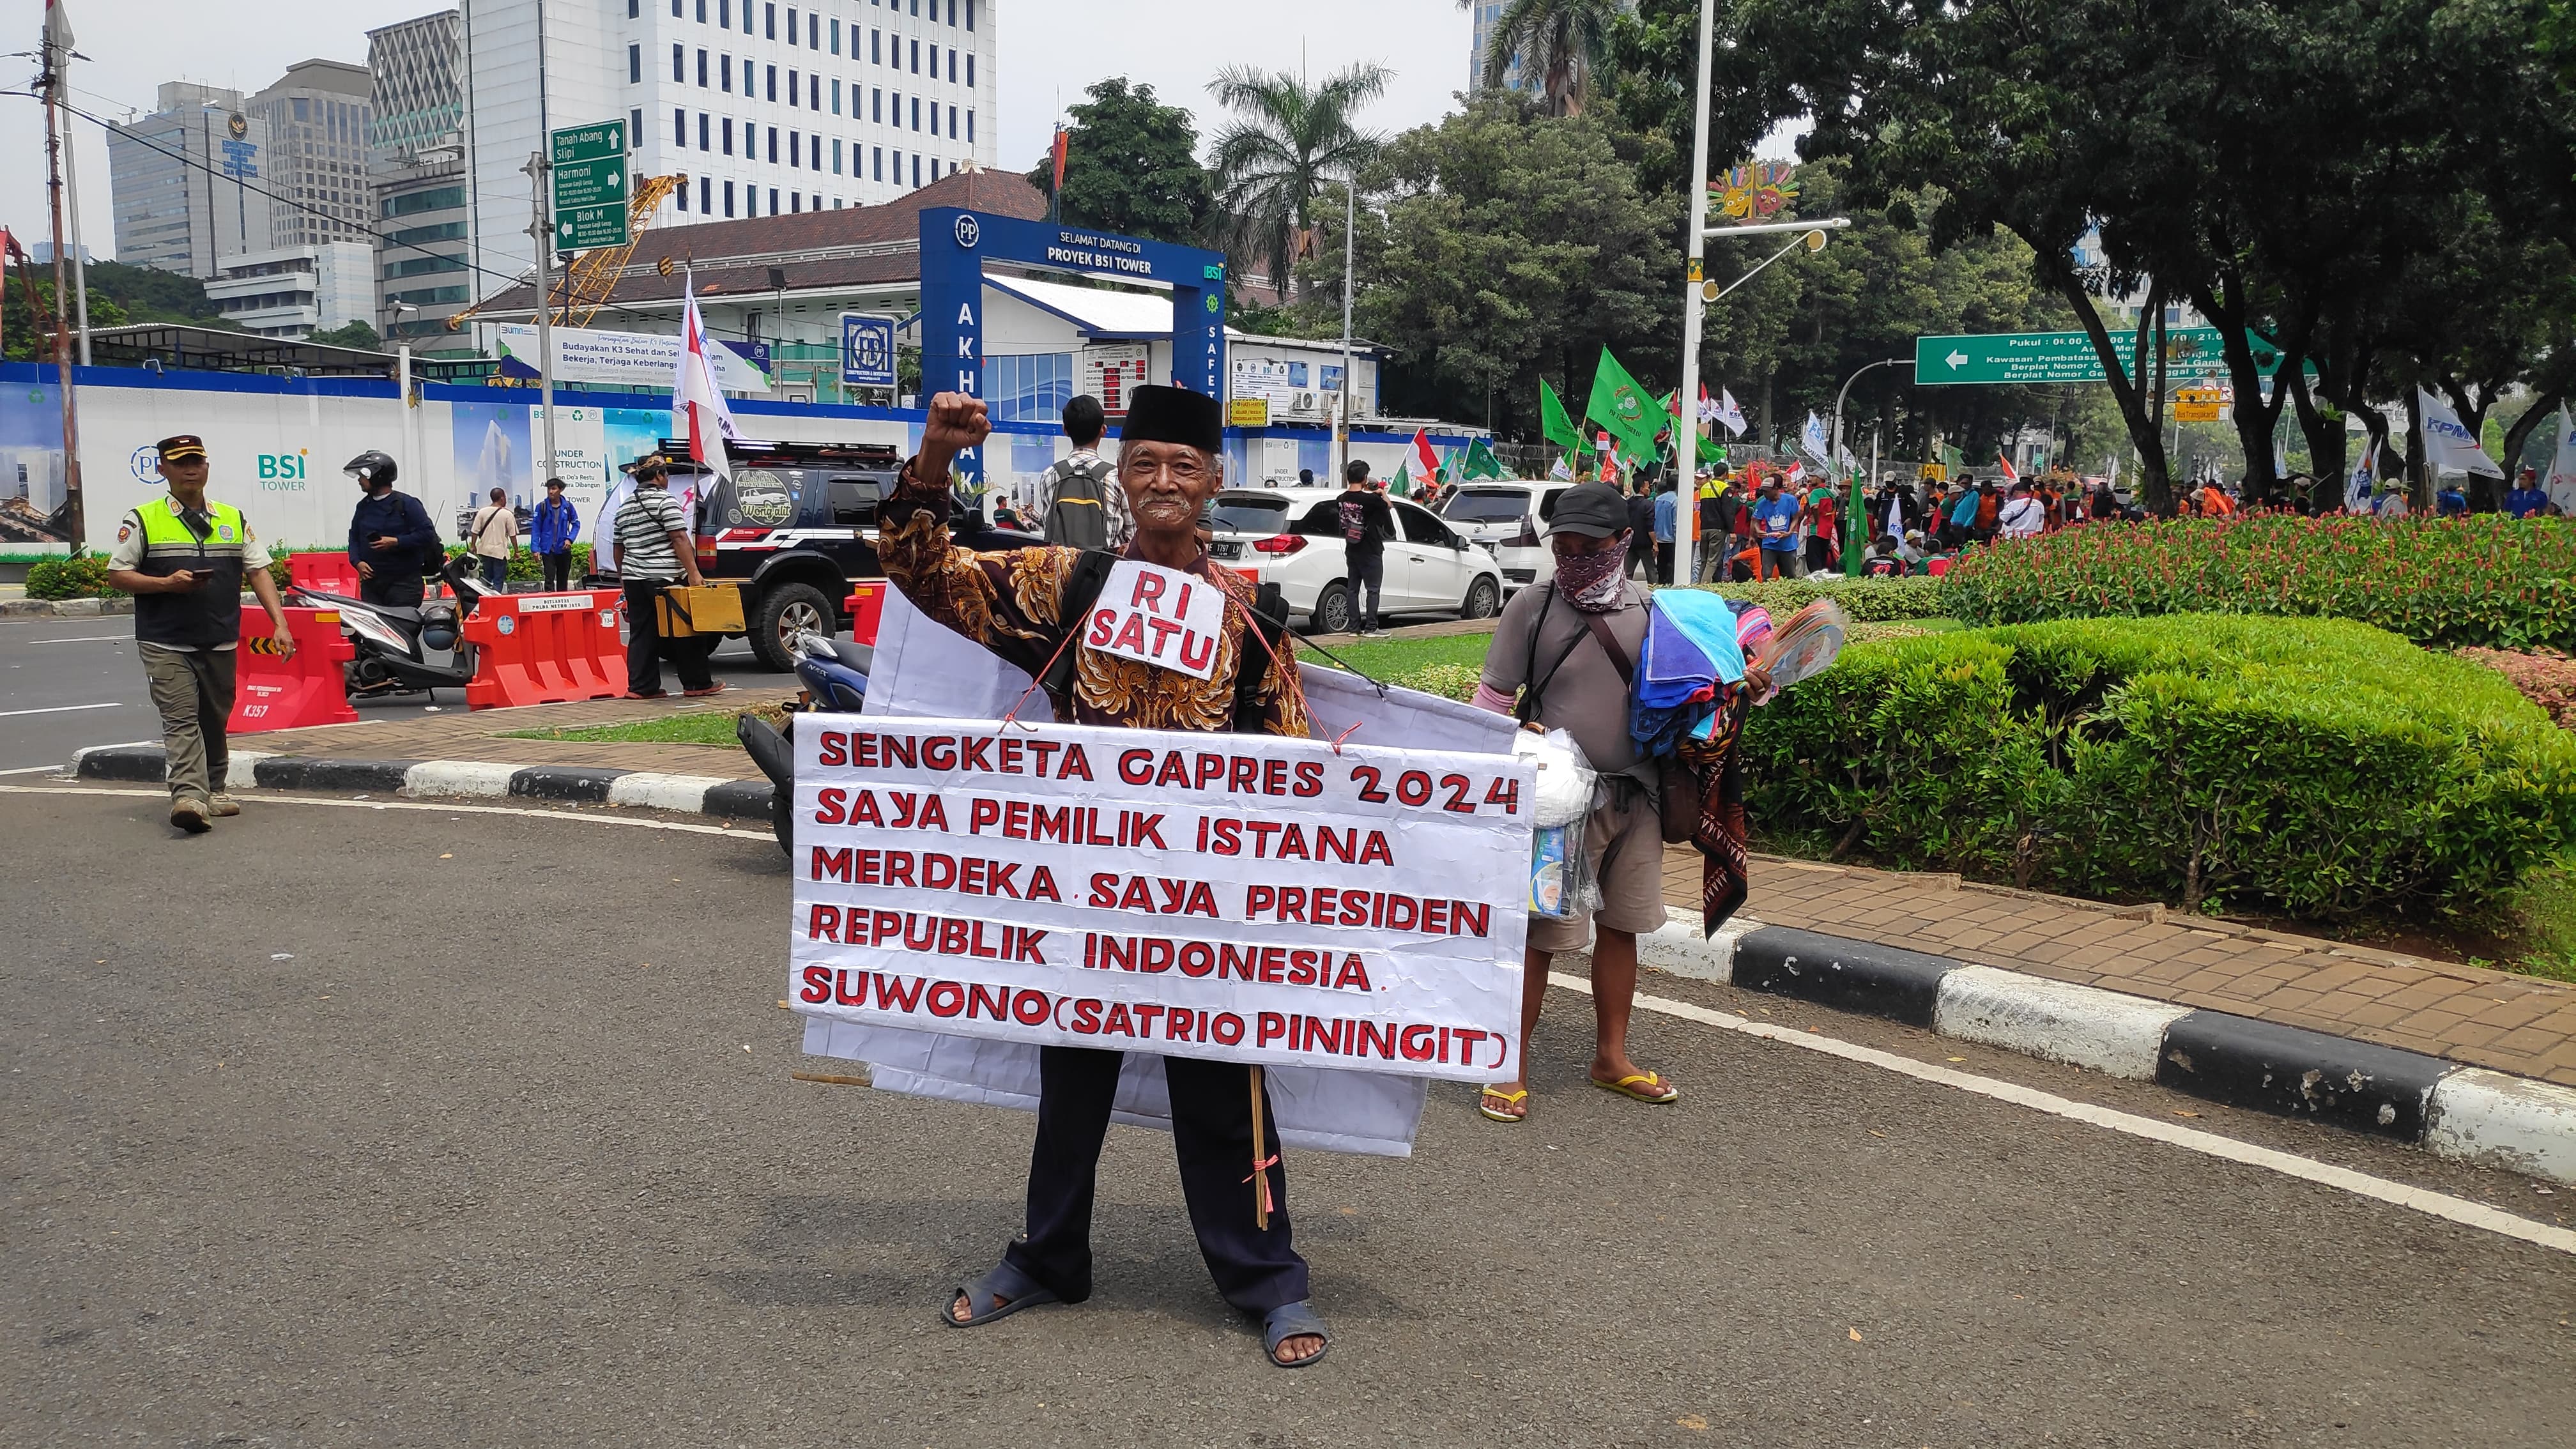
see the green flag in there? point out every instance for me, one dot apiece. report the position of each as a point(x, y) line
point(1711, 451)
point(1402, 487)
point(1481, 463)
point(1621, 405)
point(1552, 421)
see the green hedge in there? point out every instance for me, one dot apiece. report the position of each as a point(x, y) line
point(2310, 768)
point(1867, 601)
point(2486, 580)
point(82, 576)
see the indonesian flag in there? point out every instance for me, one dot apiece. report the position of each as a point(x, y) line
point(58, 25)
point(1797, 470)
point(1609, 452)
point(1424, 454)
point(2011, 474)
point(697, 405)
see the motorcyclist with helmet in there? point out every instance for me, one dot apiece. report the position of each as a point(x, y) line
point(391, 539)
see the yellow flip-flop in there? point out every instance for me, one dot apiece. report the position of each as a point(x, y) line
point(1645, 1087)
point(1512, 1097)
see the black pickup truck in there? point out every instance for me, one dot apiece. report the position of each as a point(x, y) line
point(796, 525)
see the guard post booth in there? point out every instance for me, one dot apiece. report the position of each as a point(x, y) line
point(955, 245)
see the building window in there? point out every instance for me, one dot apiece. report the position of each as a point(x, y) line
point(970, 70)
point(679, 125)
point(791, 40)
point(916, 57)
point(773, 82)
point(773, 201)
point(836, 97)
point(727, 133)
point(916, 113)
point(880, 163)
point(970, 128)
point(635, 126)
point(724, 12)
point(952, 123)
point(702, 132)
point(679, 64)
point(876, 106)
point(876, 47)
point(970, 14)
point(836, 155)
point(724, 74)
point(676, 15)
point(836, 35)
point(773, 145)
point(728, 198)
point(702, 70)
point(634, 8)
point(795, 148)
point(683, 192)
point(1031, 388)
point(773, 21)
point(795, 202)
point(635, 65)
point(916, 168)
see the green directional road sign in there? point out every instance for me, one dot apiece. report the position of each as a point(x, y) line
point(589, 185)
point(2035, 357)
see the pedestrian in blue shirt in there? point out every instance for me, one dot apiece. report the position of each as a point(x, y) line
point(2526, 500)
point(551, 533)
point(2451, 502)
point(1667, 519)
point(1776, 519)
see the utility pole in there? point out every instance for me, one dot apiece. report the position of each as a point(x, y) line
point(1686, 509)
point(539, 169)
point(80, 262)
point(75, 520)
point(1834, 459)
point(1342, 413)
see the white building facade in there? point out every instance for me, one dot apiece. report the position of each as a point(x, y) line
point(297, 291)
point(317, 116)
point(767, 108)
point(187, 182)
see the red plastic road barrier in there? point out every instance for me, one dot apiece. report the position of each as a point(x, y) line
point(275, 692)
point(865, 606)
point(545, 649)
point(331, 573)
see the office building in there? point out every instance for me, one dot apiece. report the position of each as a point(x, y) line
point(317, 126)
point(185, 181)
point(295, 292)
point(1485, 13)
point(768, 108)
point(418, 175)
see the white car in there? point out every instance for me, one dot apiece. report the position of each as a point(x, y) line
point(1292, 537)
point(1509, 519)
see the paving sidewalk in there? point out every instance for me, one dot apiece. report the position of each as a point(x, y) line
point(2517, 1024)
point(484, 735)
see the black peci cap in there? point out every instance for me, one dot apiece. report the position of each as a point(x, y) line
point(1593, 510)
point(180, 447)
point(1173, 415)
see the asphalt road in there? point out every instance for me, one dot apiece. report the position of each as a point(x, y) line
point(66, 683)
point(347, 1125)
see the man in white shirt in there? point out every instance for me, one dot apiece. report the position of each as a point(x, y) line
point(2022, 515)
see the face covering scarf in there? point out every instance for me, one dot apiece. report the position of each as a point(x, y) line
point(1592, 582)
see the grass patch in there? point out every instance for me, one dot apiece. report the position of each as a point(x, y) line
point(1386, 658)
point(701, 727)
point(2547, 908)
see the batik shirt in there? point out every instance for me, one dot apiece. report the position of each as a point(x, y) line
point(1010, 602)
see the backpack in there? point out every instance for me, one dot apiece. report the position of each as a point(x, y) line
point(1077, 516)
point(1082, 590)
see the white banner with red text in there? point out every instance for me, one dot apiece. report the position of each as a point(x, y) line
point(1243, 898)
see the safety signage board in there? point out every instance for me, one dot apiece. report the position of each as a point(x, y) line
point(589, 171)
point(1992, 358)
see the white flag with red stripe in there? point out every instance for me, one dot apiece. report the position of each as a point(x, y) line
point(1424, 454)
point(698, 409)
point(58, 25)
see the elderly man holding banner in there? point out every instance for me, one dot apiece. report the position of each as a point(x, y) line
point(1170, 874)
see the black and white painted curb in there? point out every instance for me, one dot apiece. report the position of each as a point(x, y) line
point(2466, 1113)
point(473, 779)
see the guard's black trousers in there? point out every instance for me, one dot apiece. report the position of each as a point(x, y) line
point(1255, 1269)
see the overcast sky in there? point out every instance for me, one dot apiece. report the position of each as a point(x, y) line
point(1051, 49)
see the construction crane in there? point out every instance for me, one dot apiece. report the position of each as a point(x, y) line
point(587, 283)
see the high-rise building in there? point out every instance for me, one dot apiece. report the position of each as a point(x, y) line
point(418, 175)
point(1486, 12)
point(317, 126)
point(766, 107)
point(187, 182)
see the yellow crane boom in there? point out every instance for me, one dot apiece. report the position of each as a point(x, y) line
point(585, 285)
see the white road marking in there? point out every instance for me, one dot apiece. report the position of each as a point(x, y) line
point(88, 639)
point(33, 770)
point(2209, 1144)
point(60, 709)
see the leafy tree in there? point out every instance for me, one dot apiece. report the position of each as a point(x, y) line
point(1131, 165)
point(348, 334)
point(1289, 139)
point(1506, 246)
point(1561, 43)
point(30, 335)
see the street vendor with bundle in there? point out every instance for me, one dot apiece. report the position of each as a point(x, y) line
point(1017, 604)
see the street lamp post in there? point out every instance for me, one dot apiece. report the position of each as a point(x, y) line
point(1833, 459)
point(1686, 507)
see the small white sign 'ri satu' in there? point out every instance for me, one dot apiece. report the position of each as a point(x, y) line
point(1160, 616)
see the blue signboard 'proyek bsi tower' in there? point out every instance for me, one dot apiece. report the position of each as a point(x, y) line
point(955, 245)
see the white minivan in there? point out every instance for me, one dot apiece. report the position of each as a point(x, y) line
point(1292, 537)
point(1509, 519)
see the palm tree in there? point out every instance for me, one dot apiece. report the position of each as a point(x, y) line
point(1561, 42)
point(1289, 138)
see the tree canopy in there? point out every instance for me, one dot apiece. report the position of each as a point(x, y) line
point(1131, 165)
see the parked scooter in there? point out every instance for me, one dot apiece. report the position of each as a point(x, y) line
point(395, 646)
point(835, 675)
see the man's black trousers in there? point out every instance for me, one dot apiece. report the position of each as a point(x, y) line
point(1256, 1270)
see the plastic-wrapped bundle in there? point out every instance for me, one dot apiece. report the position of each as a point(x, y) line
point(1560, 874)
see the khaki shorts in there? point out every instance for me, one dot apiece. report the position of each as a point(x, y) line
point(1624, 844)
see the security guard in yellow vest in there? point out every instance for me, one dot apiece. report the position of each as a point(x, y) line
point(184, 558)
